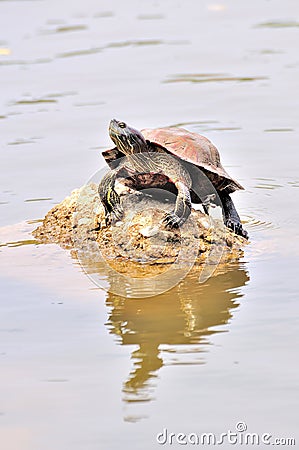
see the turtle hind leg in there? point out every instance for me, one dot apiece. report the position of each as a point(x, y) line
point(231, 216)
point(109, 197)
point(182, 208)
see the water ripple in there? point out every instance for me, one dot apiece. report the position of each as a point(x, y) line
point(20, 243)
point(120, 44)
point(65, 29)
point(21, 141)
point(88, 51)
point(22, 62)
point(193, 122)
point(103, 14)
point(255, 224)
point(278, 130)
point(34, 101)
point(38, 199)
point(294, 183)
point(269, 51)
point(279, 24)
point(204, 125)
point(150, 17)
point(268, 186)
point(211, 77)
point(62, 94)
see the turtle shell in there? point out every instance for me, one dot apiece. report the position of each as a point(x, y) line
point(194, 149)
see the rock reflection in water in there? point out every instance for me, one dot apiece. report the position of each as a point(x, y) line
point(185, 316)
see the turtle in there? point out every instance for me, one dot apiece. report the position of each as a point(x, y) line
point(173, 159)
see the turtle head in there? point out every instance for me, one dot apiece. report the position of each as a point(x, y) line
point(127, 139)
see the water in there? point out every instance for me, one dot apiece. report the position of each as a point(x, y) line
point(82, 369)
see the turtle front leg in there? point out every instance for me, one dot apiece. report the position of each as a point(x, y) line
point(182, 208)
point(231, 216)
point(109, 197)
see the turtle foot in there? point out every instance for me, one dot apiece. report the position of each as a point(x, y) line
point(116, 214)
point(171, 220)
point(237, 228)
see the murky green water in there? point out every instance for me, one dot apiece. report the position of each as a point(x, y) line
point(84, 370)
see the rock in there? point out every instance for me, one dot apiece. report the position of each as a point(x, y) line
point(139, 239)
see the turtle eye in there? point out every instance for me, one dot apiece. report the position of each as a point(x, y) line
point(122, 125)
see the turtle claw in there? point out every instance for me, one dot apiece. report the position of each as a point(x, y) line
point(237, 228)
point(171, 220)
point(116, 214)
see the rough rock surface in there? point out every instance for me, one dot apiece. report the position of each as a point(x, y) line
point(78, 223)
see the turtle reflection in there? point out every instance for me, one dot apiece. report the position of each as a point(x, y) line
point(174, 327)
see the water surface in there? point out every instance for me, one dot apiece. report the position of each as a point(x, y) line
point(84, 369)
